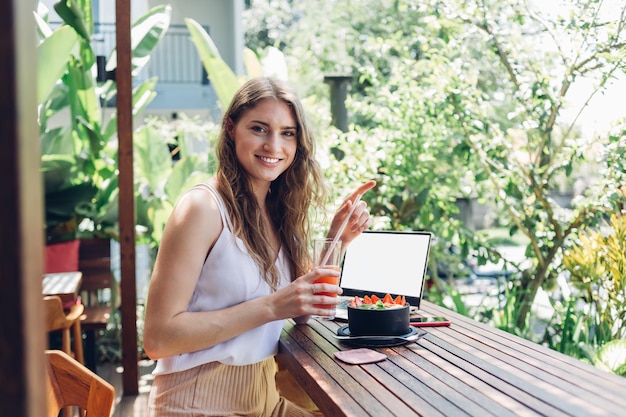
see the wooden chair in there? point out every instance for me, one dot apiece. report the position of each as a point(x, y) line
point(94, 262)
point(58, 319)
point(70, 383)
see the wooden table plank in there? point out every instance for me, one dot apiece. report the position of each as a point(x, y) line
point(441, 389)
point(608, 386)
point(534, 362)
point(506, 376)
point(421, 398)
point(416, 400)
point(64, 284)
point(433, 396)
point(459, 386)
point(430, 389)
point(487, 385)
point(538, 366)
point(532, 369)
point(467, 369)
point(323, 380)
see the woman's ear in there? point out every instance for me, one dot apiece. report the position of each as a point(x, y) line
point(230, 127)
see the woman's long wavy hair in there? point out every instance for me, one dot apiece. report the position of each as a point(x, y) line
point(291, 195)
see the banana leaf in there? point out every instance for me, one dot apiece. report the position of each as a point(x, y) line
point(78, 15)
point(152, 159)
point(224, 81)
point(53, 55)
point(145, 34)
point(252, 63)
point(143, 94)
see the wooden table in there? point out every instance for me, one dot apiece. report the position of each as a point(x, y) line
point(467, 369)
point(64, 284)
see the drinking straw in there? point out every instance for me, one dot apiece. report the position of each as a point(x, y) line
point(340, 231)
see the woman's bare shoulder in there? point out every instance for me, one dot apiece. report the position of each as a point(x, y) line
point(199, 198)
point(198, 208)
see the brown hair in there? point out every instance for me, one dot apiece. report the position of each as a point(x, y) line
point(291, 195)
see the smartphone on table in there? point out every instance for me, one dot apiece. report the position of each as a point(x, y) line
point(429, 321)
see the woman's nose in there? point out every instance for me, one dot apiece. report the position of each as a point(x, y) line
point(272, 142)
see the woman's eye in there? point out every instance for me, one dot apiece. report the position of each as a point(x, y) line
point(258, 129)
point(289, 133)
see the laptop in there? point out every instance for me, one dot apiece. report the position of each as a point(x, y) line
point(381, 262)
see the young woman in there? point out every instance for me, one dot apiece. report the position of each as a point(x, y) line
point(234, 263)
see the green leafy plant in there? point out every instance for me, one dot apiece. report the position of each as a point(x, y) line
point(456, 100)
point(589, 322)
point(79, 155)
point(449, 297)
point(597, 267)
point(611, 357)
point(163, 175)
point(222, 77)
point(568, 330)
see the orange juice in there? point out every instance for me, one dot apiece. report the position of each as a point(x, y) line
point(327, 280)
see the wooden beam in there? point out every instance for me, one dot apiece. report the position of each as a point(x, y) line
point(123, 78)
point(22, 389)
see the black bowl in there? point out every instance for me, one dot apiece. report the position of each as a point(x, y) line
point(384, 322)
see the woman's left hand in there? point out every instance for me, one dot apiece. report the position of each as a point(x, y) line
point(360, 219)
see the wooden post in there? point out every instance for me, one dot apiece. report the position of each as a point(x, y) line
point(338, 93)
point(123, 78)
point(22, 388)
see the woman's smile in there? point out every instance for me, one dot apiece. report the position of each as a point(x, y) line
point(268, 160)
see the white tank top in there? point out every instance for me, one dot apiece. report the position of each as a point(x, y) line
point(229, 276)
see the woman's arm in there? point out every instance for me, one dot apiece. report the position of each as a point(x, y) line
point(191, 231)
point(169, 328)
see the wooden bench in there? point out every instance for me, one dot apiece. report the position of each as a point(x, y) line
point(95, 264)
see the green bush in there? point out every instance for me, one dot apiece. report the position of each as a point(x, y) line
point(597, 268)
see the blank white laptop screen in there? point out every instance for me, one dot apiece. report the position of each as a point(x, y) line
point(381, 262)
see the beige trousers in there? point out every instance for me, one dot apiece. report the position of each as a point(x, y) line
point(215, 389)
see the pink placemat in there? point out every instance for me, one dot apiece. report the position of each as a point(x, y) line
point(360, 356)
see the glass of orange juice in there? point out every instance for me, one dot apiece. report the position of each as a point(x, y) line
point(328, 255)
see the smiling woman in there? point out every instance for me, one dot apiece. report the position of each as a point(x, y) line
point(239, 244)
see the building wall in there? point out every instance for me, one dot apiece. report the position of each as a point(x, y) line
point(224, 23)
point(223, 17)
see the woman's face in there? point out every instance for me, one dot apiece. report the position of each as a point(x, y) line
point(266, 140)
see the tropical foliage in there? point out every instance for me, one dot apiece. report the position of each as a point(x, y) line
point(78, 135)
point(597, 270)
point(166, 165)
point(468, 99)
point(448, 100)
point(455, 99)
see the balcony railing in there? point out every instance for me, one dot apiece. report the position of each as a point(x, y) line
point(174, 60)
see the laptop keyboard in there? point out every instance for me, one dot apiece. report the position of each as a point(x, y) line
point(344, 303)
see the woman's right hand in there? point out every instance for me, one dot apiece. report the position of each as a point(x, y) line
point(297, 299)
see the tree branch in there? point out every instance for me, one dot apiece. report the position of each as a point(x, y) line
point(500, 52)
